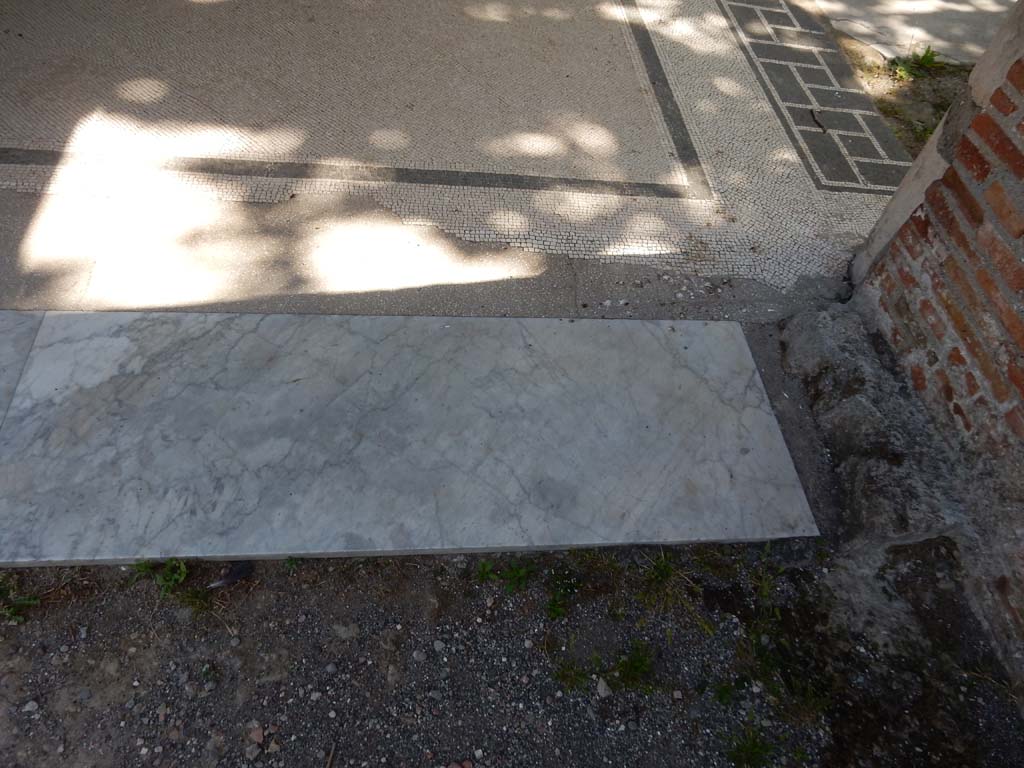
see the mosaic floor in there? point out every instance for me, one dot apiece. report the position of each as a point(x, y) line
point(718, 137)
point(147, 435)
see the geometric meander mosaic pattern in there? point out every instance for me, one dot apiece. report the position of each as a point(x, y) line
point(832, 122)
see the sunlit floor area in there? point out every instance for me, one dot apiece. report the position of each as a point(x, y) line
point(146, 145)
point(897, 28)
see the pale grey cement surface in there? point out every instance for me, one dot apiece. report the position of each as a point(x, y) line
point(135, 435)
point(960, 30)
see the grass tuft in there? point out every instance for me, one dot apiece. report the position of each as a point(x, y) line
point(12, 604)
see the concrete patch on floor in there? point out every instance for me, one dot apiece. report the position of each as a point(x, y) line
point(145, 435)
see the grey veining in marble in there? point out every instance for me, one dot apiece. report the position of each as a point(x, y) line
point(17, 332)
point(144, 435)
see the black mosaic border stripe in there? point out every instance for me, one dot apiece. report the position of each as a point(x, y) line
point(686, 152)
point(372, 173)
point(838, 134)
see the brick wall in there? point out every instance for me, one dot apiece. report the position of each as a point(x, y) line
point(942, 277)
point(950, 283)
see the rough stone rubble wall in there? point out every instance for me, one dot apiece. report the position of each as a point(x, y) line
point(942, 278)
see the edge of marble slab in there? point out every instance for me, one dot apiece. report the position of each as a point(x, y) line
point(18, 357)
point(341, 554)
point(449, 551)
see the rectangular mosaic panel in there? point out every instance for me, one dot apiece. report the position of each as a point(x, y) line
point(832, 122)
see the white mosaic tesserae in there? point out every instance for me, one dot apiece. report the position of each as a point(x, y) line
point(721, 138)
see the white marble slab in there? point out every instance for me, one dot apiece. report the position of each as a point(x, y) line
point(146, 435)
point(17, 331)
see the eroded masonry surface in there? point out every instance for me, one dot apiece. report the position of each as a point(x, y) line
point(719, 137)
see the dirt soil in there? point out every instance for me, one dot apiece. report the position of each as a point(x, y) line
point(912, 99)
point(702, 656)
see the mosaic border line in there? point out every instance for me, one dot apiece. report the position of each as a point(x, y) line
point(832, 123)
point(686, 152)
point(372, 173)
point(696, 188)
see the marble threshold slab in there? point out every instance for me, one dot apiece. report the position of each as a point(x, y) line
point(134, 435)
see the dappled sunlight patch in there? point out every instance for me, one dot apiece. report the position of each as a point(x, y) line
point(589, 136)
point(508, 222)
point(503, 12)
point(493, 11)
point(130, 141)
point(390, 138)
point(556, 14)
point(142, 90)
point(374, 254)
point(643, 233)
point(705, 35)
point(730, 87)
point(134, 233)
point(528, 145)
point(130, 247)
point(634, 15)
point(576, 208)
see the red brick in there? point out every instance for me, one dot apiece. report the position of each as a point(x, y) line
point(1002, 102)
point(905, 277)
point(910, 240)
point(886, 282)
point(987, 368)
point(973, 387)
point(1016, 75)
point(972, 160)
point(921, 222)
point(950, 224)
point(1005, 210)
point(945, 385)
point(1004, 259)
point(901, 311)
point(1007, 315)
point(976, 309)
point(931, 317)
point(965, 199)
point(986, 127)
point(956, 357)
point(959, 411)
point(1015, 421)
point(917, 377)
point(1016, 375)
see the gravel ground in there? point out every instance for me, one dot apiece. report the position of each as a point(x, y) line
point(702, 656)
